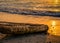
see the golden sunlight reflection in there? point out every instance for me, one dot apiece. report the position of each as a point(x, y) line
point(53, 23)
point(54, 29)
point(56, 1)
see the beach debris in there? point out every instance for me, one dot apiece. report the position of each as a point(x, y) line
point(21, 28)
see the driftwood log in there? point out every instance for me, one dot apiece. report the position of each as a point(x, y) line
point(21, 28)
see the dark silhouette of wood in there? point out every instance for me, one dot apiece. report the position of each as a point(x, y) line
point(21, 28)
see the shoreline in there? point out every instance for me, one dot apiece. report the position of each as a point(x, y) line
point(30, 12)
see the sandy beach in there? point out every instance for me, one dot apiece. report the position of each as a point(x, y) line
point(52, 22)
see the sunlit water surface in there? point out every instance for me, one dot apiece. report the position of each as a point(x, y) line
point(46, 5)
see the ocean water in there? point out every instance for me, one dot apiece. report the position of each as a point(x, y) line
point(46, 5)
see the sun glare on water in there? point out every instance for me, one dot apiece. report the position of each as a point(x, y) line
point(54, 29)
point(56, 1)
point(53, 23)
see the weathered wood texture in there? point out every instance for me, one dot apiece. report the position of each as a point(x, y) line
point(21, 28)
